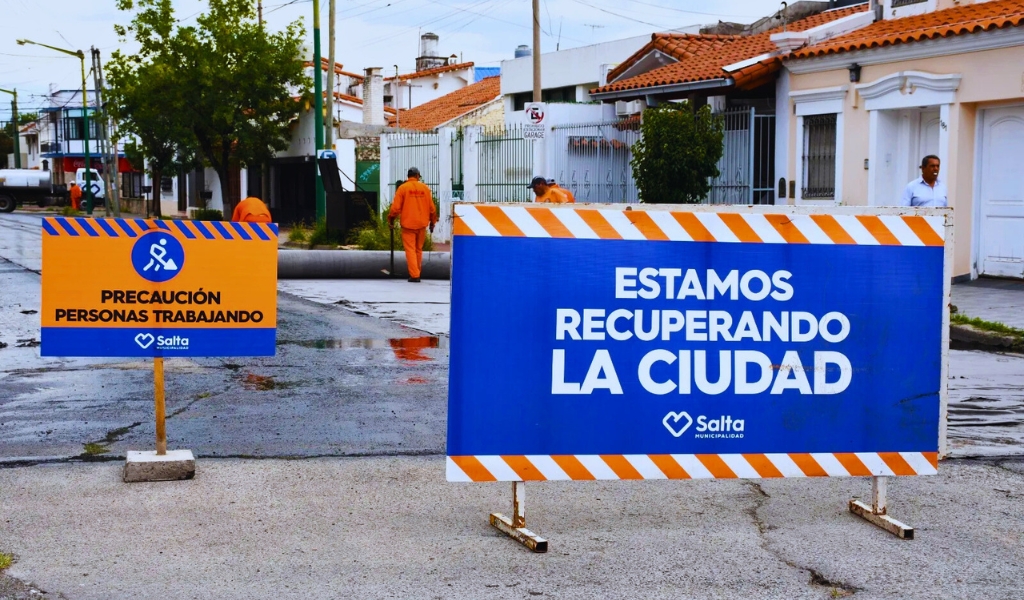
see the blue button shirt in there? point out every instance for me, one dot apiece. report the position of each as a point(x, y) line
point(919, 193)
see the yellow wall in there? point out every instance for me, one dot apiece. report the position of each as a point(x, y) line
point(991, 77)
point(491, 114)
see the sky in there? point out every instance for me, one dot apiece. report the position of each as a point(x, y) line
point(369, 33)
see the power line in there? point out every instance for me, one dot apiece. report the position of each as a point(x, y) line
point(693, 12)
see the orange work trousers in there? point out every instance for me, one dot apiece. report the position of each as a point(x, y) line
point(412, 241)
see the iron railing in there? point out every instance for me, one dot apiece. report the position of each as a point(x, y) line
point(819, 157)
point(505, 165)
point(407, 150)
point(592, 160)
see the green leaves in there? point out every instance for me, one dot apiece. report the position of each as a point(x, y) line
point(219, 91)
point(677, 154)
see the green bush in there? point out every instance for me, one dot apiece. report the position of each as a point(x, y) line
point(299, 233)
point(376, 235)
point(678, 153)
point(207, 214)
point(321, 235)
point(68, 211)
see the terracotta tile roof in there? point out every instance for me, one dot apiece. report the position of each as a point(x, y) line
point(703, 57)
point(347, 98)
point(434, 71)
point(338, 69)
point(959, 20)
point(451, 106)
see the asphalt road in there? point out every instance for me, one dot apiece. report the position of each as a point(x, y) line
point(363, 517)
point(341, 384)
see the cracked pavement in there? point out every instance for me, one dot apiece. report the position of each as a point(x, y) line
point(367, 513)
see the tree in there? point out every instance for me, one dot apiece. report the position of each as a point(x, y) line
point(219, 91)
point(240, 87)
point(677, 154)
point(145, 93)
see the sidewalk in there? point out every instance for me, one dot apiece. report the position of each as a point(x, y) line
point(391, 527)
point(999, 300)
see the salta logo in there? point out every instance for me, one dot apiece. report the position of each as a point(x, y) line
point(672, 423)
point(177, 342)
point(144, 340)
point(724, 426)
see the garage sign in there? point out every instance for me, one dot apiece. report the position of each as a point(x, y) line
point(599, 343)
point(153, 288)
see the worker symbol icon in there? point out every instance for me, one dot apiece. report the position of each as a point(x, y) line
point(157, 256)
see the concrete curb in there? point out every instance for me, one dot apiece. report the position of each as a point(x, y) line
point(984, 340)
point(356, 264)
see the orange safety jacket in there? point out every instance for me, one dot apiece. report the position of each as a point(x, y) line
point(568, 194)
point(413, 205)
point(553, 195)
point(251, 210)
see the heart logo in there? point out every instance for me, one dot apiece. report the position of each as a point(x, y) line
point(671, 422)
point(144, 340)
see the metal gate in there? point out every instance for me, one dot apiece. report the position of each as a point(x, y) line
point(592, 160)
point(747, 167)
point(505, 162)
point(406, 150)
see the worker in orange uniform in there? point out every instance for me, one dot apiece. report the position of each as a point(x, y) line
point(566, 191)
point(75, 193)
point(414, 207)
point(546, 193)
point(251, 210)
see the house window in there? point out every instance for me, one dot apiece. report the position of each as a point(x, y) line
point(899, 3)
point(819, 159)
point(562, 94)
point(73, 128)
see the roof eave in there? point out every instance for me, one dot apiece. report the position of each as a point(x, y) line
point(660, 90)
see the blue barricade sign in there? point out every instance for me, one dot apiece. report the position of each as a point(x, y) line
point(601, 343)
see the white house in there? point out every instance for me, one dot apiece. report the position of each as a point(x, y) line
point(567, 76)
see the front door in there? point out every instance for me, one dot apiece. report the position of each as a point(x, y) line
point(1001, 230)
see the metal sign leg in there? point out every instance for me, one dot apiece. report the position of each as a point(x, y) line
point(876, 513)
point(515, 527)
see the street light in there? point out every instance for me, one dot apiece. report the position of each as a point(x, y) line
point(17, 134)
point(85, 118)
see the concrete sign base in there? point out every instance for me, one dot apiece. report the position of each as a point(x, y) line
point(149, 466)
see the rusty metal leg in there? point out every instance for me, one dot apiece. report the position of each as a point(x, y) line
point(515, 527)
point(876, 513)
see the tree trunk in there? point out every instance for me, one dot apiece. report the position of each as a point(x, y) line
point(158, 175)
point(225, 193)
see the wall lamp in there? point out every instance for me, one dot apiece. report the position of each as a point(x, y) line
point(854, 73)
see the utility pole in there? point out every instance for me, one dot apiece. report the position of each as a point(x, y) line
point(537, 96)
point(14, 122)
point(109, 163)
point(318, 111)
point(330, 75)
point(259, 11)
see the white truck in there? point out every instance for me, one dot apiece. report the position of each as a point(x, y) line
point(22, 186)
point(95, 183)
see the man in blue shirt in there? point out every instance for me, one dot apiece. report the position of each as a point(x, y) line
point(928, 189)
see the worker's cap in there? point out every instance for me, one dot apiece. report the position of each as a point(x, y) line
point(537, 180)
point(414, 172)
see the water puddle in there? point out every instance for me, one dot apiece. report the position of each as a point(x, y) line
point(411, 349)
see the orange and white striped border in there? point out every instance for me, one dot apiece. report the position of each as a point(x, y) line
point(662, 225)
point(583, 467)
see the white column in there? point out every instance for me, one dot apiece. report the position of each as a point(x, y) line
point(839, 158)
point(783, 114)
point(798, 159)
point(944, 127)
point(874, 157)
point(470, 161)
point(385, 173)
point(444, 160)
